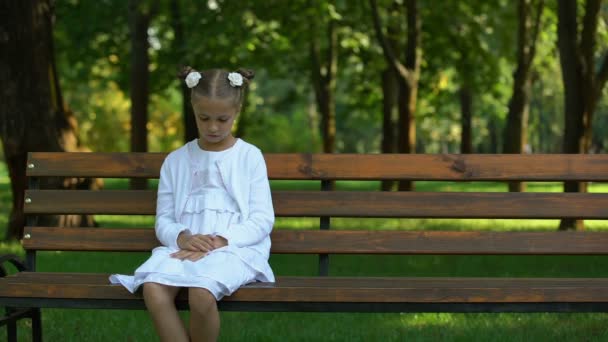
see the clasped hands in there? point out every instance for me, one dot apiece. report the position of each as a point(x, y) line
point(195, 247)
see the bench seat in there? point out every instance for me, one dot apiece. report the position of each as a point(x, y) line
point(50, 289)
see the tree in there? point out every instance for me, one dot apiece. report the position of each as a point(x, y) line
point(180, 49)
point(324, 67)
point(529, 25)
point(469, 44)
point(32, 115)
point(408, 73)
point(141, 12)
point(584, 79)
point(390, 91)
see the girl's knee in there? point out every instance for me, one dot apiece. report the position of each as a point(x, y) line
point(201, 300)
point(157, 294)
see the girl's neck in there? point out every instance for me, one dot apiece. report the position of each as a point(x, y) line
point(222, 146)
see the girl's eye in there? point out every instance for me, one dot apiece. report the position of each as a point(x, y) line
point(203, 118)
point(223, 120)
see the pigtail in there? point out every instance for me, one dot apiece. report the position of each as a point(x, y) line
point(184, 72)
point(247, 74)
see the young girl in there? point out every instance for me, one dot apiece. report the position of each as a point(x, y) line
point(214, 215)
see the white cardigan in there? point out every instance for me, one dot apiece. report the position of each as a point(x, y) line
point(243, 171)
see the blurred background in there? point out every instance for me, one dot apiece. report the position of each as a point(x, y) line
point(357, 76)
point(483, 76)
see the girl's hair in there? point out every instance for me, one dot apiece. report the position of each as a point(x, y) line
point(214, 84)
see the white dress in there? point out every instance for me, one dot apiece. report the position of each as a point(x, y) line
point(209, 210)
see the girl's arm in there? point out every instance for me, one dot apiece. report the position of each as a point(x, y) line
point(258, 225)
point(166, 226)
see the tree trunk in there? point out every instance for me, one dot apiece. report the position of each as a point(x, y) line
point(515, 134)
point(312, 116)
point(389, 108)
point(32, 116)
point(406, 126)
point(409, 88)
point(324, 83)
point(190, 130)
point(582, 85)
point(139, 18)
point(493, 127)
point(466, 119)
point(567, 42)
point(408, 73)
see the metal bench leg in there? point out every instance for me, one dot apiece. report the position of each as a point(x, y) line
point(11, 327)
point(14, 315)
point(11, 332)
point(36, 325)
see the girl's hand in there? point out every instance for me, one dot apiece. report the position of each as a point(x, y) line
point(219, 241)
point(195, 243)
point(188, 255)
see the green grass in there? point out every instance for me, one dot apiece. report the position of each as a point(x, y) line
point(103, 325)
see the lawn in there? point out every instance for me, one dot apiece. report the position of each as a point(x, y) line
point(103, 325)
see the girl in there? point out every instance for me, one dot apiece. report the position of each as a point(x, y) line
point(214, 215)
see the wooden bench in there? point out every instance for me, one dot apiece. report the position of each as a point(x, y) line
point(32, 289)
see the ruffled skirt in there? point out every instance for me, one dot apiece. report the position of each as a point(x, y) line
point(222, 271)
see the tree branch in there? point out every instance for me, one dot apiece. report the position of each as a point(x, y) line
point(567, 41)
point(412, 52)
point(389, 54)
point(535, 31)
point(331, 61)
point(315, 68)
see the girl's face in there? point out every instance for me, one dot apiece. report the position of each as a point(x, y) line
point(214, 120)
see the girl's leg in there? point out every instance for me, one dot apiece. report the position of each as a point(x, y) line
point(160, 302)
point(204, 317)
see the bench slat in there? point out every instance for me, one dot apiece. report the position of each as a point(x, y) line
point(333, 289)
point(347, 204)
point(454, 167)
point(83, 164)
point(341, 241)
point(484, 167)
point(140, 165)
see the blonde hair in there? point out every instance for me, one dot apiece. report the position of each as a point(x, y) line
point(214, 84)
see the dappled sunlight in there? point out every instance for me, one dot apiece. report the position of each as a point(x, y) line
point(296, 223)
point(415, 326)
point(457, 224)
point(498, 326)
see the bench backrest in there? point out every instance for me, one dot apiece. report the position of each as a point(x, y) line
point(324, 204)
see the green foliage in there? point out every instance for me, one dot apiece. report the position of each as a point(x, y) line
point(471, 42)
